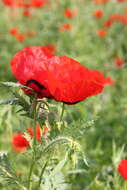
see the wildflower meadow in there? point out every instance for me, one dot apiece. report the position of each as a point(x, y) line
point(63, 100)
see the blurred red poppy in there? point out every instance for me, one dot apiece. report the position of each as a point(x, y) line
point(102, 33)
point(98, 14)
point(119, 61)
point(122, 169)
point(19, 142)
point(59, 78)
point(13, 31)
point(68, 13)
point(65, 27)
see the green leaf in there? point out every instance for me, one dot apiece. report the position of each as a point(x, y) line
point(10, 101)
point(15, 85)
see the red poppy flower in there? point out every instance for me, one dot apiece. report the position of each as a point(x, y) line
point(109, 81)
point(98, 14)
point(68, 13)
point(100, 1)
point(102, 33)
point(38, 132)
point(59, 78)
point(29, 66)
point(26, 13)
point(37, 3)
point(65, 27)
point(108, 23)
point(51, 48)
point(122, 169)
point(71, 82)
point(13, 31)
point(20, 38)
point(19, 142)
point(119, 61)
point(121, 1)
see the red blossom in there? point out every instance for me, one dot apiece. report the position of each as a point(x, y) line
point(108, 23)
point(121, 1)
point(109, 81)
point(119, 61)
point(54, 77)
point(51, 48)
point(122, 169)
point(27, 12)
point(68, 13)
point(102, 33)
point(37, 3)
point(65, 27)
point(20, 38)
point(13, 31)
point(98, 14)
point(100, 1)
point(19, 142)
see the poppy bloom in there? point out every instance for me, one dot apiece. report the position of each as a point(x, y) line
point(102, 33)
point(122, 169)
point(37, 3)
point(19, 142)
point(26, 13)
point(109, 81)
point(119, 61)
point(121, 1)
point(65, 27)
point(100, 1)
point(98, 14)
point(51, 48)
point(20, 38)
point(38, 132)
point(56, 77)
point(68, 13)
point(108, 23)
point(13, 31)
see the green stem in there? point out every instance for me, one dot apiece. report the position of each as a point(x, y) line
point(30, 174)
point(62, 112)
point(40, 178)
point(33, 113)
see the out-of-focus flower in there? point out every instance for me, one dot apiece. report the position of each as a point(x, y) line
point(30, 33)
point(98, 14)
point(118, 18)
point(37, 3)
point(13, 31)
point(38, 132)
point(27, 12)
point(109, 81)
point(20, 38)
point(19, 142)
point(51, 48)
point(118, 61)
point(122, 169)
point(100, 1)
point(120, 1)
point(65, 27)
point(102, 32)
point(68, 13)
point(108, 23)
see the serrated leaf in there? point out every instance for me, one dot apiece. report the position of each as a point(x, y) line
point(10, 101)
point(15, 85)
